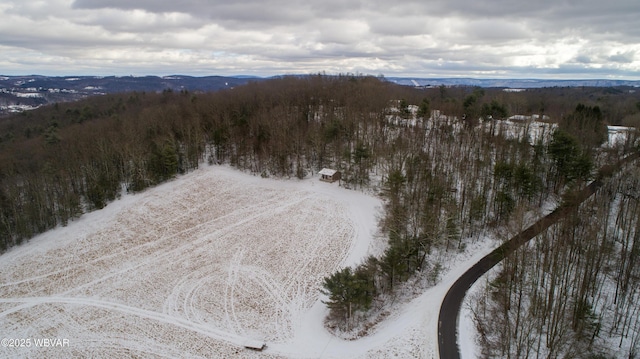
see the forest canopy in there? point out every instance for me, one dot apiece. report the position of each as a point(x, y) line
point(450, 162)
point(60, 161)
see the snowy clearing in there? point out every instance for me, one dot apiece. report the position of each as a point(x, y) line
point(201, 265)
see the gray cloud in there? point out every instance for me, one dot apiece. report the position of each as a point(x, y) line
point(625, 58)
point(450, 37)
point(232, 14)
point(583, 59)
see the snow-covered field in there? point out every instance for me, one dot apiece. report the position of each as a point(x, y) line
point(201, 265)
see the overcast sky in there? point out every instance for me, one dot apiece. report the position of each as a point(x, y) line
point(568, 39)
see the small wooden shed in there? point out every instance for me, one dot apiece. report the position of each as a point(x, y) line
point(329, 175)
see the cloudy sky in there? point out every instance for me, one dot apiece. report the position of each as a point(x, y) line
point(569, 39)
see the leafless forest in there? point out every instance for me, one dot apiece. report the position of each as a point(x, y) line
point(446, 160)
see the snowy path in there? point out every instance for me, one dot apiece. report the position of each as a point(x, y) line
point(197, 266)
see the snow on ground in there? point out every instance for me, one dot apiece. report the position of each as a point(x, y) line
point(467, 330)
point(200, 265)
point(522, 127)
point(618, 135)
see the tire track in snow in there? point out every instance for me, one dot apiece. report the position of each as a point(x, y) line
point(188, 247)
point(258, 210)
point(265, 281)
point(264, 287)
point(158, 242)
point(206, 330)
point(229, 296)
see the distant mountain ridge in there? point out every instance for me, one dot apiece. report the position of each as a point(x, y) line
point(511, 83)
point(20, 93)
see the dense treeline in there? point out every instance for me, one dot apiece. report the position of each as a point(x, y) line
point(61, 161)
point(443, 158)
point(77, 161)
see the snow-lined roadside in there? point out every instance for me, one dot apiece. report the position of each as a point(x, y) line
point(197, 266)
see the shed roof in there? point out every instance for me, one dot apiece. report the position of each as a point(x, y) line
point(327, 172)
point(258, 345)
